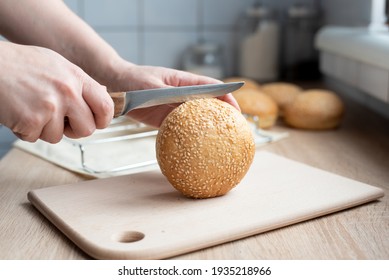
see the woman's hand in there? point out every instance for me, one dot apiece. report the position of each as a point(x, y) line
point(134, 77)
point(44, 96)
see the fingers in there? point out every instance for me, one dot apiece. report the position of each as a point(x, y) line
point(78, 112)
point(199, 80)
point(53, 130)
point(191, 79)
point(153, 116)
point(26, 122)
point(89, 109)
point(99, 102)
point(42, 89)
point(231, 100)
point(28, 128)
point(46, 120)
point(79, 121)
point(182, 78)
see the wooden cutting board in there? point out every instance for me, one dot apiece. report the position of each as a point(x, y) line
point(141, 216)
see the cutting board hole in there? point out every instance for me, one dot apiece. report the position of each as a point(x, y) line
point(128, 236)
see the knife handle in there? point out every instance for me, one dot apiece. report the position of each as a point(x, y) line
point(119, 102)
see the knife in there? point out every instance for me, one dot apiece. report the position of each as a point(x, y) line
point(130, 100)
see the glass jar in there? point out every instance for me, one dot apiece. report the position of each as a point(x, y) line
point(204, 59)
point(259, 44)
point(300, 58)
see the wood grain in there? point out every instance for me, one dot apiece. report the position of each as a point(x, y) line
point(359, 149)
point(144, 209)
point(119, 102)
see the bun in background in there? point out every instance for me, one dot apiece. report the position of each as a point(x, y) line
point(255, 103)
point(282, 93)
point(315, 109)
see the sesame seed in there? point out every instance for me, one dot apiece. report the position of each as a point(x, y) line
point(207, 144)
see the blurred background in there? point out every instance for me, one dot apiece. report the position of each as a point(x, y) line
point(269, 40)
point(157, 32)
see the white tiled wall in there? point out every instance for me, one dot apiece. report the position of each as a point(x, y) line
point(157, 32)
point(104, 13)
point(174, 14)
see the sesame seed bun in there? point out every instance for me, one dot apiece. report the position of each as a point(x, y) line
point(204, 148)
point(315, 109)
point(282, 93)
point(255, 103)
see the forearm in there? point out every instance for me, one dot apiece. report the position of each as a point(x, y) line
point(51, 24)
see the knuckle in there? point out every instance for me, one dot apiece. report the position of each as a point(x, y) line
point(30, 123)
point(86, 131)
point(107, 111)
point(52, 137)
point(29, 137)
point(107, 106)
point(66, 88)
point(49, 106)
point(90, 130)
point(28, 127)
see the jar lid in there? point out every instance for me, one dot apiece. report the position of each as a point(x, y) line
point(205, 48)
point(258, 10)
point(300, 11)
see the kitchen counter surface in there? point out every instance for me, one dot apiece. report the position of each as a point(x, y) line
point(359, 150)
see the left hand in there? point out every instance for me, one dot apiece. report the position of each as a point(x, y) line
point(135, 77)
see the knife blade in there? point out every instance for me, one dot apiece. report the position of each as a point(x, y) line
point(130, 100)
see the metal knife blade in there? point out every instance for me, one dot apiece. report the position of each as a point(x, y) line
point(127, 101)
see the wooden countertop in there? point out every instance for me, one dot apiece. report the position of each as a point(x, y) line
point(359, 149)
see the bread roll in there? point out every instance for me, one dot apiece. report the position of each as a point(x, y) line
point(255, 103)
point(282, 93)
point(248, 83)
point(204, 148)
point(315, 109)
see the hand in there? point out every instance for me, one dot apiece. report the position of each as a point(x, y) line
point(38, 78)
point(134, 77)
point(43, 95)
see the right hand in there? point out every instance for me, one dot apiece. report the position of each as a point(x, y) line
point(133, 77)
point(44, 96)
